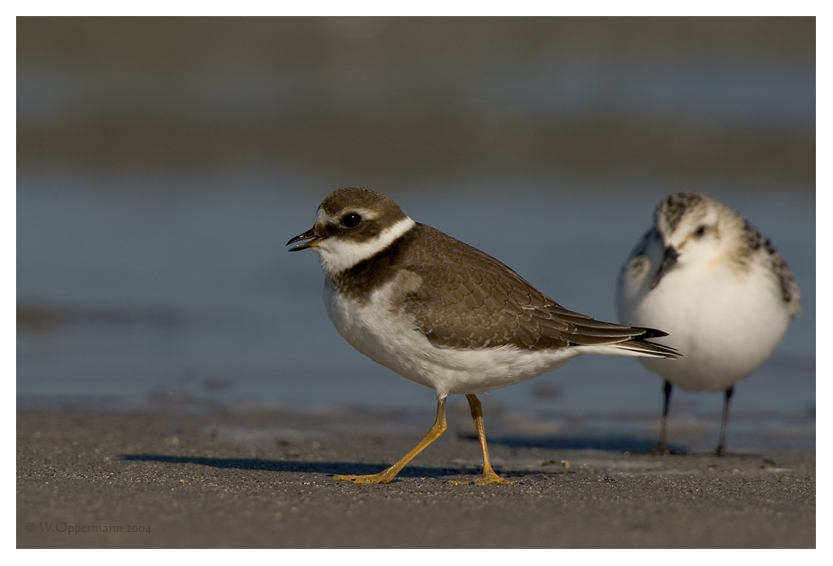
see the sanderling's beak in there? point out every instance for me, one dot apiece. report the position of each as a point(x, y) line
point(308, 240)
point(669, 260)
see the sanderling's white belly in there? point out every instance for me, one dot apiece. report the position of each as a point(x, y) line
point(724, 327)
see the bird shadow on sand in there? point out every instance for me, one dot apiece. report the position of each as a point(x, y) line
point(297, 466)
point(619, 444)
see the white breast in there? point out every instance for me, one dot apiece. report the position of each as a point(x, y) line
point(726, 323)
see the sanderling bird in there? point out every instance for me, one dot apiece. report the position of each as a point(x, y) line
point(717, 285)
point(444, 314)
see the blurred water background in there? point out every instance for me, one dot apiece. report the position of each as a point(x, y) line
point(162, 164)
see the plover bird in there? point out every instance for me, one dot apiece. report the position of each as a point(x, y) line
point(717, 286)
point(444, 314)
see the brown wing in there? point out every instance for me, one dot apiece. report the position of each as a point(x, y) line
point(501, 308)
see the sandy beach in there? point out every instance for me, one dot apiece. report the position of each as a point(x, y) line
point(179, 383)
point(261, 478)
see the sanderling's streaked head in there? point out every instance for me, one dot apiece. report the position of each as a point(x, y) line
point(716, 284)
point(695, 228)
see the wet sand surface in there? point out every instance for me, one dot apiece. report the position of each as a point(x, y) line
point(262, 478)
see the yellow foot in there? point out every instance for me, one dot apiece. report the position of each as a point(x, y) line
point(485, 479)
point(490, 478)
point(368, 479)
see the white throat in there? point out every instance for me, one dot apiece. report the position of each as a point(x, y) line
point(338, 254)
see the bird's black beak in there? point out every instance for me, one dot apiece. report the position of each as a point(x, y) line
point(308, 240)
point(669, 260)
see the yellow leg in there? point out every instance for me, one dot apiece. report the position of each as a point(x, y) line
point(489, 475)
point(437, 429)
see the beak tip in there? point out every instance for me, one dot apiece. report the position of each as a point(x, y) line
point(307, 239)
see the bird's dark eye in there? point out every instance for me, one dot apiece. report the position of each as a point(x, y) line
point(701, 230)
point(351, 220)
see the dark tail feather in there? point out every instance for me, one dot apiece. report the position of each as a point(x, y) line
point(641, 345)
